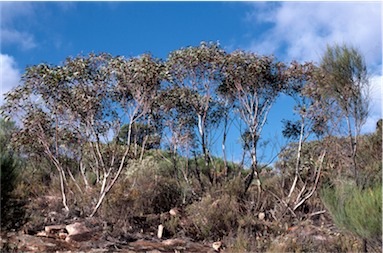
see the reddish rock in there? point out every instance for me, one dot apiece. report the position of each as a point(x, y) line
point(78, 232)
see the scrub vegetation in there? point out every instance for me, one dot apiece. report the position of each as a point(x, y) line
point(125, 144)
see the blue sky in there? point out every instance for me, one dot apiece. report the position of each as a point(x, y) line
point(35, 32)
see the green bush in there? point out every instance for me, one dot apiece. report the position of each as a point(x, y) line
point(358, 211)
point(12, 211)
point(8, 175)
point(8, 161)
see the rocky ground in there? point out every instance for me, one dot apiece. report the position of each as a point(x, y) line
point(20, 242)
point(85, 236)
point(53, 231)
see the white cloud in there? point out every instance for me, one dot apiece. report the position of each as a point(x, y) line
point(12, 10)
point(24, 39)
point(17, 20)
point(10, 34)
point(301, 30)
point(9, 73)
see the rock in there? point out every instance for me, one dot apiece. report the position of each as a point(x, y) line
point(261, 216)
point(42, 234)
point(217, 246)
point(174, 211)
point(53, 231)
point(29, 243)
point(78, 232)
point(76, 228)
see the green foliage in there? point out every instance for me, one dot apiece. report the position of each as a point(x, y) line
point(9, 163)
point(8, 175)
point(12, 210)
point(343, 87)
point(358, 211)
point(79, 105)
point(140, 131)
point(346, 80)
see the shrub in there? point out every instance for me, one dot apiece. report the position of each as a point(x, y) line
point(358, 211)
point(12, 210)
point(144, 190)
point(8, 161)
point(241, 241)
point(213, 218)
point(8, 175)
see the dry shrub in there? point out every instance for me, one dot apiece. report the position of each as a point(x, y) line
point(315, 243)
point(242, 241)
point(144, 192)
point(155, 194)
point(213, 218)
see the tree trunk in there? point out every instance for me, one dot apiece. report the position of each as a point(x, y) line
point(197, 172)
point(353, 151)
point(107, 188)
point(224, 148)
point(63, 195)
point(204, 148)
point(143, 147)
point(298, 162)
point(254, 163)
point(83, 173)
point(174, 161)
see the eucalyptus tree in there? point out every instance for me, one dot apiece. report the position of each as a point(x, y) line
point(344, 84)
point(253, 83)
point(60, 109)
point(137, 94)
point(312, 120)
point(144, 135)
point(136, 83)
point(75, 111)
point(198, 69)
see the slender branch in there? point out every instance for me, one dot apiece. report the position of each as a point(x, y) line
point(315, 183)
